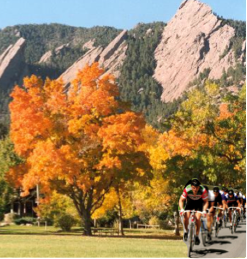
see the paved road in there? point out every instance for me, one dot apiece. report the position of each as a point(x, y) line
point(226, 245)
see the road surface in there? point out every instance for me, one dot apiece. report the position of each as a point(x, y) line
point(226, 245)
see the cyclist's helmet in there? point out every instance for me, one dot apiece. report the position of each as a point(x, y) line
point(205, 187)
point(195, 182)
point(231, 192)
point(224, 189)
point(216, 189)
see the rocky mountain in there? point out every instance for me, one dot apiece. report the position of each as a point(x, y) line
point(12, 65)
point(111, 58)
point(194, 40)
point(154, 63)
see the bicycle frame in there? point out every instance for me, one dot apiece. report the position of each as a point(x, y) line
point(234, 218)
point(216, 221)
point(191, 229)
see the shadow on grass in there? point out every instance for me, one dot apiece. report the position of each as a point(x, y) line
point(79, 232)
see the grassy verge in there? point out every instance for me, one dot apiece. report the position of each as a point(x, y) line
point(32, 241)
point(80, 246)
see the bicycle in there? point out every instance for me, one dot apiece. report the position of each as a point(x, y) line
point(225, 218)
point(234, 219)
point(242, 214)
point(191, 230)
point(204, 232)
point(216, 221)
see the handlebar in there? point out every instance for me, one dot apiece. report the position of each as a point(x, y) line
point(218, 208)
point(234, 208)
point(192, 211)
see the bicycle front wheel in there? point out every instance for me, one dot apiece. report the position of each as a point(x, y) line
point(190, 240)
point(233, 222)
point(216, 226)
point(203, 234)
point(225, 221)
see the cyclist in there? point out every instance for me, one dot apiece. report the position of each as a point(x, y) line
point(197, 199)
point(244, 204)
point(224, 197)
point(240, 198)
point(211, 200)
point(231, 201)
point(218, 202)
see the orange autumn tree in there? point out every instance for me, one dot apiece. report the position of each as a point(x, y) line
point(80, 143)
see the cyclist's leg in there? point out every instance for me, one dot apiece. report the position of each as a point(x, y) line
point(221, 211)
point(198, 223)
point(230, 216)
point(212, 218)
point(209, 220)
point(186, 220)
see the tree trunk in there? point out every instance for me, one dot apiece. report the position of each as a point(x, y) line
point(120, 222)
point(87, 224)
point(176, 220)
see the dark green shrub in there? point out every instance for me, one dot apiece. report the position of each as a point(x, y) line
point(24, 220)
point(65, 222)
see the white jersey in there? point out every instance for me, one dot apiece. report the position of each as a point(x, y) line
point(240, 195)
point(211, 196)
point(221, 192)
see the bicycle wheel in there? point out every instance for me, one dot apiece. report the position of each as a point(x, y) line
point(203, 234)
point(235, 223)
point(225, 221)
point(190, 240)
point(233, 219)
point(216, 229)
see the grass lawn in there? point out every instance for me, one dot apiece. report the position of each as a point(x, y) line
point(23, 241)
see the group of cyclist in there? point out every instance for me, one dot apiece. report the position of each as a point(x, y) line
point(199, 198)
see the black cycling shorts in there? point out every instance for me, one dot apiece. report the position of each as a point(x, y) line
point(232, 204)
point(194, 205)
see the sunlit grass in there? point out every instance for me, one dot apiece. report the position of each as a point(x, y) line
point(32, 241)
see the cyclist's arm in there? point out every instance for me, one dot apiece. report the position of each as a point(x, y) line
point(239, 205)
point(211, 206)
point(181, 202)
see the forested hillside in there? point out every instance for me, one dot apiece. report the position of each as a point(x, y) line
point(136, 81)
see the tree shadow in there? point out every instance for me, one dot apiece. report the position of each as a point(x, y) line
point(80, 233)
point(142, 237)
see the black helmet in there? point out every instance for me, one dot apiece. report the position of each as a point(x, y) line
point(216, 189)
point(231, 192)
point(224, 189)
point(195, 182)
point(205, 187)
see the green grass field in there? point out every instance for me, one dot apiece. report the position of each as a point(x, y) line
point(22, 241)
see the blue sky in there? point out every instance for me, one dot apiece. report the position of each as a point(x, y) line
point(122, 14)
